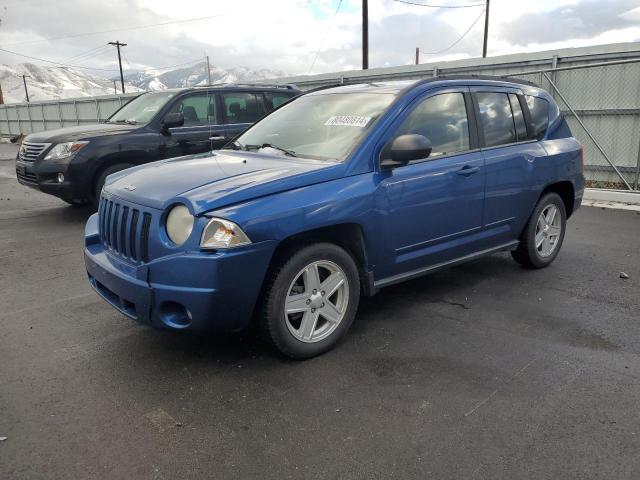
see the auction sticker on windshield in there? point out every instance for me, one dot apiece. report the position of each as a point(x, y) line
point(348, 121)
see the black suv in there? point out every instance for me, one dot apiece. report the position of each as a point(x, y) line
point(72, 163)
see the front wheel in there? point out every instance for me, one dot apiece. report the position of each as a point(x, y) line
point(311, 300)
point(542, 237)
point(103, 176)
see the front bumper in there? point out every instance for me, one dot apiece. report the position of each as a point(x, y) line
point(185, 291)
point(43, 176)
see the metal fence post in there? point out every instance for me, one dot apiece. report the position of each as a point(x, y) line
point(44, 122)
point(60, 116)
point(586, 130)
point(637, 169)
point(75, 109)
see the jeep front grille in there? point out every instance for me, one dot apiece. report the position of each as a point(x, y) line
point(124, 229)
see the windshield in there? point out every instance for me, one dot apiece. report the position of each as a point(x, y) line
point(141, 109)
point(324, 126)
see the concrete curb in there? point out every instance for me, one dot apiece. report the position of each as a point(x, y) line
point(614, 199)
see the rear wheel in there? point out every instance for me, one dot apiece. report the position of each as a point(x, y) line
point(542, 237)
point(311, 300)
point(103, 176)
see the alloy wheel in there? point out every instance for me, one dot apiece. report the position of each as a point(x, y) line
point(316, 301)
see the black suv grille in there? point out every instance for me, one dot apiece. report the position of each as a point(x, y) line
point(29, 151)
point(124, 229)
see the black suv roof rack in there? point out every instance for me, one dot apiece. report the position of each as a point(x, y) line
point(285, 86)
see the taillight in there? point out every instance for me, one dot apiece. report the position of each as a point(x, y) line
point(581, 160)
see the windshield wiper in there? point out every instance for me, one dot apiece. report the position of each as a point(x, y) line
point(291, 153)
point(235, 145)
point(128, 122)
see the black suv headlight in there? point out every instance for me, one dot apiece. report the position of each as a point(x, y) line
point(65, 150)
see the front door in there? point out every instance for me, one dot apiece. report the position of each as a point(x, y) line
point(434, 206)
point(201, 131)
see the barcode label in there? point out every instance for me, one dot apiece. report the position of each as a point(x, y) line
point(348, 121)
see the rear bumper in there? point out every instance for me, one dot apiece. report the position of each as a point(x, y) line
point(188, 291)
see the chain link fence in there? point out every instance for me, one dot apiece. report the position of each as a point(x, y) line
point(601, 102)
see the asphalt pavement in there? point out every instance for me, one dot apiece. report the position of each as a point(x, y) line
point(483, 371)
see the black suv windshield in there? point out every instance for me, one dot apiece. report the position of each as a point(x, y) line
point(142, 109)
point(324, 126)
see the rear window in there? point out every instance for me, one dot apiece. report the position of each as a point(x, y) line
point(539, 111)
point(518, 117)
point(496, 118)
point(241, 107)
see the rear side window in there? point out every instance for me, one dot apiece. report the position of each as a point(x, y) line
point(539, 111)
point(518, 117)
point(274, 100)
point(241, 107)
point(443, 120)
point(496, 118)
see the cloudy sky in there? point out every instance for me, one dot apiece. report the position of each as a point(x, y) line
point(298, 36)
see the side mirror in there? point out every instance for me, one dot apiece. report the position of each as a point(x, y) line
point(172, 120)
point(404, 149)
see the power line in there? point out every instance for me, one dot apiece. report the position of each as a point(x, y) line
point(335, 14)
point(409, 2)
point(86, 54)
point(59, 64)
point(458, 40)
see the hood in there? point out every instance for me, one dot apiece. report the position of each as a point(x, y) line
point(211, 181)
point(70, 134)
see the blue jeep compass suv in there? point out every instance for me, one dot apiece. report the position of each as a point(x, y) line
point(336, 194)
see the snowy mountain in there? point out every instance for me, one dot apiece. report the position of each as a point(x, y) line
point(49, 83)
point(197, 75)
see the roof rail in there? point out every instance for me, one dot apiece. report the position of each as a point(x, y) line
point(286, 86)
point(498, 78)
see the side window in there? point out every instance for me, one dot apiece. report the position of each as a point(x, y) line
point(197, 110)
point(241, 107)
point(539, 111)
point(443, 120)
point(518, 117)
point(496, 118)
point(274, 100)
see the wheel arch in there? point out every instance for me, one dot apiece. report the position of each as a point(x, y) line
point(565, 190)
point(349, 236)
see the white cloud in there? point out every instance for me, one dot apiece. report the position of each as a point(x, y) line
point(285, 35)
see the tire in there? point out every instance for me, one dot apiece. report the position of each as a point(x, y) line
point(103, 176)
point(317, 318)
point(75, 203)
point(549, 229)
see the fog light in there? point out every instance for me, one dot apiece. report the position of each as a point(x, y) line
point(60, 177)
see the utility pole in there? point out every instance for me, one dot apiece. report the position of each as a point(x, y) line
point(208, 71)
point(118, 45)
point(486, 30)
point(26, 92)
point(115, 89)
point(365, 34)
point(1, 96)
point(417, 55)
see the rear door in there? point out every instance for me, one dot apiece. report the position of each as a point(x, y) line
point(240, 110)
point(434, 205)
point(509, 157)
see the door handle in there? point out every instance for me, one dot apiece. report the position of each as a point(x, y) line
point(468, 170)
point(217, 138)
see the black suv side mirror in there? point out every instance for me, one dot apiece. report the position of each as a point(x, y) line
point(404, 149)
point(172, 120)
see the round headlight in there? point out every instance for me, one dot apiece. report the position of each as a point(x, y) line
point(179, 224)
